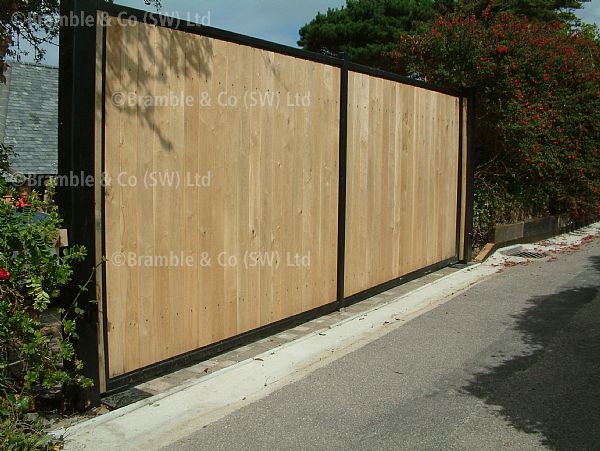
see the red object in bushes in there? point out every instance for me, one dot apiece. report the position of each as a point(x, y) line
point(4, 274)
point(22, 203)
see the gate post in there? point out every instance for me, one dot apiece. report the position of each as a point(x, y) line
point(76, 169)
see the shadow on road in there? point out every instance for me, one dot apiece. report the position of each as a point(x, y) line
point(554, 389)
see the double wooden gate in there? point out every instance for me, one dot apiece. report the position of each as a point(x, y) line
point(246, 183)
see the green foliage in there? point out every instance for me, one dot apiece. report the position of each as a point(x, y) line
point(537, 109)
point(37, 272)
point(364, 30)
point(18, 433)
point(540, 10)
point(33, 356)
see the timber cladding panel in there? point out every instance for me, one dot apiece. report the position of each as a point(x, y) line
point(402, 173)
point(268, 184)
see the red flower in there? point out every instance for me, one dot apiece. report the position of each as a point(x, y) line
point(4, 274)
point(22, 203)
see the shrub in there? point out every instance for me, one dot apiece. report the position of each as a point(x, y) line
point(537, 109)
point(33, 359)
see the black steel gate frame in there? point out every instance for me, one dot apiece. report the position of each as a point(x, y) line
point(77, 78)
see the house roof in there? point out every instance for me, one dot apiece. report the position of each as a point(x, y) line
point(29, 117)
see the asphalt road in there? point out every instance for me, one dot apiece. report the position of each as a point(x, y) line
point(513, 363)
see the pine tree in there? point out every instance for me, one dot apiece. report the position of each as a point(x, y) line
point(364, 29)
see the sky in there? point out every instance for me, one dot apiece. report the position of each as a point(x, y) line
point(273, 20)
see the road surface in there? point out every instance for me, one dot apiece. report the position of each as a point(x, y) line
point(512, 363)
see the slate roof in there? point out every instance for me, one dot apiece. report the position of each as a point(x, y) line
point(29, 117)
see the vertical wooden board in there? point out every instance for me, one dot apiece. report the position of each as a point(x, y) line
point(449, 181)
point(281, 208)
point(352, 168)
point(163, 341)
point(144, 206)
point(355, 237)
point(351, 165)
point(418, 224)
point(193, 54)
point(219, 138)
point(375, 151)
point(386, 261)
point(424, 152)
point(427, 212)
point(234, 87)
point(330, 179)
point(178, 298)
point(128, 186)
point(438, 182)
point(418, 152)
point(357, 215)
point(310, 211)
point(263, 154)
point(252, 315)
point(98, 193)
point(204, 150)
point(291, 226)
point(245, 59)
point(271, 72)
point(394, 183)
point(407, 157)
point(325, 259)
point(300, 194)
point(361, 240)
point(450, 158)
point(115, 302)
point(293, 219)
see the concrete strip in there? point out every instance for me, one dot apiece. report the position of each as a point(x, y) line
point(162, 419)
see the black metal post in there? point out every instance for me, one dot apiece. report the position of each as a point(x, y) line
point(468, 243)
point(459, 192)
point(343, 151)
point(76, 119)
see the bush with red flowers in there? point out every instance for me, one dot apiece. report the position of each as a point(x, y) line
point(537, 129)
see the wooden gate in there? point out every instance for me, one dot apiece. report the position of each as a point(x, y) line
point(247, 185)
